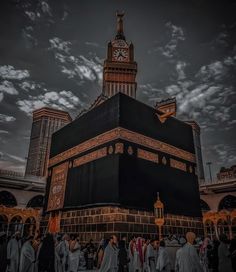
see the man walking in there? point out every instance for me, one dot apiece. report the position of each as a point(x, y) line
point(110, 258)
point(27, 256)
point(151, 255)
point(163, 260)
point(187, 259)
point(13, 253)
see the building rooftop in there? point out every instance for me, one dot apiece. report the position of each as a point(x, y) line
point(46, 111)
point(16, 180)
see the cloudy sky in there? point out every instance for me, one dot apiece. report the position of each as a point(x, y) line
point(51, 54)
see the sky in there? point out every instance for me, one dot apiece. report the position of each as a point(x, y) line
point(52, 53)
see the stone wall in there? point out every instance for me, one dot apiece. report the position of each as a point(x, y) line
point(97, 223)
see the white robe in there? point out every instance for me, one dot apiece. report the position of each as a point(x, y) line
point(137, 265)
point(27, 258)
point(177, 259)
point(63, 250)
point(163, 261)
point(151, 258)
point(13, 253)
point(110, 259)
point(187, 259)
point(131, 257)
point(144, 249)
point(58, 258)
point(74, 258)
point(37, 257)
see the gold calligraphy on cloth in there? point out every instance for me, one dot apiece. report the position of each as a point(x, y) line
point(57, 187)
point(178, 165)
point(95, 155)
point(124, 134)
point(147, 155)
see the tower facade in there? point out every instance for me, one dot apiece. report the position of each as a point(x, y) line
point(120, 69)
point(198, 149)
point(45, 122)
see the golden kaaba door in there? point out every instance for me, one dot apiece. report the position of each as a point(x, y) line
point(57, 188)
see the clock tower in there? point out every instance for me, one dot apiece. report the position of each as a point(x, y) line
point(120, 69)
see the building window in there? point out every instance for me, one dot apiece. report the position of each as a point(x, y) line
point(7, 199)
point(36, 202)
point(228, 203)
point(204, 206)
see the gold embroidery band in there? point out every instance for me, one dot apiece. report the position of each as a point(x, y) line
point(125, 134)
point(85, 146)
point(140, 139)
point(178, 165)
point(146, 155)
point(95, 155)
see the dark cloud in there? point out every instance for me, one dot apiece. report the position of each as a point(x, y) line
point(51, 54)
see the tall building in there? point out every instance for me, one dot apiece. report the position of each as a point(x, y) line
point(198, 149)
point(106, 166)
point(120, 69)
point(45, 122)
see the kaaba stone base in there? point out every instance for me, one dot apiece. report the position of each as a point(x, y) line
point(101, 222)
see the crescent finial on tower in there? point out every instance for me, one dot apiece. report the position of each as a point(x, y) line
point(120, 30)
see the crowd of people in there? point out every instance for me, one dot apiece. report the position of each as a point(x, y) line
point(51, 253)
point(180, 254)
point(64, 253)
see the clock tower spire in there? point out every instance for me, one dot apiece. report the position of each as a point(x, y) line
point(120, 31)
point(120, 69)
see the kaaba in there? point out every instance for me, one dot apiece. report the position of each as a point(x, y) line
point(107, 165)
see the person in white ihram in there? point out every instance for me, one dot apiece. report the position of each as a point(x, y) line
point(13, 253)
point(27, 256)
point(163, 260)
point(74, 255)
point(110, 257)
point(187, 259)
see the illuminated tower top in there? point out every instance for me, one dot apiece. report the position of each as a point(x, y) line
point(120, 69)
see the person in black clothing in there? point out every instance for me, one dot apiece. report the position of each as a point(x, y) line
point(232, 250)
point(46, 256)
point(3, 251)
point(124, 238)
point(212, 255)
point(89, 254)
point(123, 257)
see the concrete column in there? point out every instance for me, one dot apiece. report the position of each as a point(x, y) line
point(216, 230)
point(8, 223)
point(230, 231)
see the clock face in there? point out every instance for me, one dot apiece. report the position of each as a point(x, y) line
point(120, 54)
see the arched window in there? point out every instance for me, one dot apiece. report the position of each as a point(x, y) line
point(36, 202)
point(7, 199)
point(3, 222)
point(228, 203)
point(204, 206)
